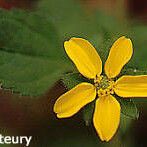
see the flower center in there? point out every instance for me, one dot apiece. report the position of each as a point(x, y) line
point(104, 86)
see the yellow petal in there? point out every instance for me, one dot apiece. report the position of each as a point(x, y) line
point(131, 86)
point(72, 101)
point(106, 117)
point(120, 54)
point(84, 56)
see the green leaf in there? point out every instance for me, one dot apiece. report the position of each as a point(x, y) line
point(22, 38)
point(29, 75)
point(88, 111)
point(70, 80)
point(133, 71)
point(35, 22)
point(30, 61)
point(128, 108)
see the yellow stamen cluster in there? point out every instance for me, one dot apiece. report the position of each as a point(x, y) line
point(97, 81)
point(104, 86)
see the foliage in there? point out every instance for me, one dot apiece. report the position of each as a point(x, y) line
point(32, 56)
point(31, 59)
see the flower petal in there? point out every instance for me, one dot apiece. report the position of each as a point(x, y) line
point(120, 54)
point(106, 117)
point(72, 101)
point(131, 86)
point(85, 57)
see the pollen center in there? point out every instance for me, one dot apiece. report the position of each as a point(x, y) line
point(104, 85)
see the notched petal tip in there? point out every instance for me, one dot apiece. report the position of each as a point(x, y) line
point(55, 108)
point(124, 37)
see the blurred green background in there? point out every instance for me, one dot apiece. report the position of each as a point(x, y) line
point(33, 32)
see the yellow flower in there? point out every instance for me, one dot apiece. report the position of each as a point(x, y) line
point(106, 116)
